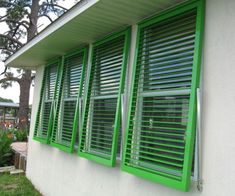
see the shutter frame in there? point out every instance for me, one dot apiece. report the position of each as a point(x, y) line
point(100, 160)
point(189, 146)
point(56, 62)
point(60, 146)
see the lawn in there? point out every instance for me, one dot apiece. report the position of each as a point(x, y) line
point(16, 185)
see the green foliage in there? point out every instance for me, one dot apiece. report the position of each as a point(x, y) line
point(6, 100)
point(20, 135)
point(11, 185)
point(6, 139)
point(21, 18)
point(18, 15)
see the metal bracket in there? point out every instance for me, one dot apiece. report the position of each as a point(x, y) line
point(199, 143)
point(122, 110)
point(80, 113)
point(123, 122)
point(200, 185)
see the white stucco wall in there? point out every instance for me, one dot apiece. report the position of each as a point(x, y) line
point(57, 173)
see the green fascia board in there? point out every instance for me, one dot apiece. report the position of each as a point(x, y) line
point(186, 178)
point(95, 158)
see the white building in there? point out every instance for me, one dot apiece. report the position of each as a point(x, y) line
point(140, 80)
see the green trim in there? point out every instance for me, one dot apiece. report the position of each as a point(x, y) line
point(185, 182)
point(95, 158)
point(39, 106)
point(55, 97)
point(41, 140)
point(111, 37)
point(90, 156)
point(76, 118)
point(62, 147)
point(74, 52)
point(47, 139)
point(173, 11)
point(191, 127)
point(121, 90)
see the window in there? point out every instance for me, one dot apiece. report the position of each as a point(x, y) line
point(160, 130)
point(49, 93)
point(67, 113)
point(161, 123)
point(102, 117)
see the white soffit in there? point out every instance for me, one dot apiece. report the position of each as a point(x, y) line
point(84, 24)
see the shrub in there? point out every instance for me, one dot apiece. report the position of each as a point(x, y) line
point(21, 135)
point(6, 153)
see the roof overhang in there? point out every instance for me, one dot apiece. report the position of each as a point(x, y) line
point(83, 24)
point(9, 104)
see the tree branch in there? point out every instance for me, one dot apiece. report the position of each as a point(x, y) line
point(4, 4)
point(9, 78)
point(8, 49)
point(2, 17)
point(4, 71)
point(54, 5)
point(44, 15)
point(11, 39)
point(23, 23)
point(16, 29)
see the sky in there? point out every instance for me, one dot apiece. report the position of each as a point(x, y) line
point(14, 91)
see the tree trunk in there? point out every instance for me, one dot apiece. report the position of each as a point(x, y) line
point(33, 20)
point(24, 83)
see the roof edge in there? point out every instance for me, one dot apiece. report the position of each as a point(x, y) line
point(58, 23)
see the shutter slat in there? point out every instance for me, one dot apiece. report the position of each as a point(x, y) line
point(65, 126)
point(49, 92)
point(159, 112)
point(103, 100)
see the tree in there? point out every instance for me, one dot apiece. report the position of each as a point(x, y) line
point(6, 100)
point(22, 19)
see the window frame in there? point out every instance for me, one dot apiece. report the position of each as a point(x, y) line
point(77, 115)
point(93, 157)
point(46, 140)
point(189, 146)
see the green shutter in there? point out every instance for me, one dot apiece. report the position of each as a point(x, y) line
point(65, 124)
point(160, 132)
point(101, 120)
point(48, 95)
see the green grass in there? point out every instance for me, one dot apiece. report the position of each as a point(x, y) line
point(16, 185)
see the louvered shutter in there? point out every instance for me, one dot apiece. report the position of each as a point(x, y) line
point(101, 123)
point(49, 92)
point(67, 112)
point(161, 125)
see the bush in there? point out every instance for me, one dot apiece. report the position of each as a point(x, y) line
point(6, 153)
point(20, 135)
